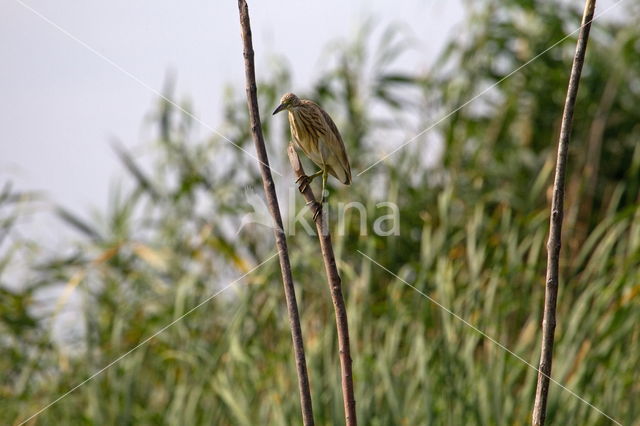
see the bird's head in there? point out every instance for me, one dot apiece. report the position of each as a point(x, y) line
point(288, 101)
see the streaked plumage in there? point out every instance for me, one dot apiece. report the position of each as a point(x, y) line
point(315, 133)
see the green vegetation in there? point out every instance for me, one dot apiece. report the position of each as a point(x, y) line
point(474, 217)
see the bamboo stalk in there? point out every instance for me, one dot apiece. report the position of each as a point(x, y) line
point(335, 287)
point(272, 201)
point(555, 222)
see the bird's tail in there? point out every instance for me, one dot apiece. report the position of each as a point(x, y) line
point(342, 174)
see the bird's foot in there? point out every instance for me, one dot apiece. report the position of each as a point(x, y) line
point(318, 209)
point(303, 182)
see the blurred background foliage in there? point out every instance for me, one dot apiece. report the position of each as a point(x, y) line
point(473, 197)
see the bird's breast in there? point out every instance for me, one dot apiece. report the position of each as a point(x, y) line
point(307, 137)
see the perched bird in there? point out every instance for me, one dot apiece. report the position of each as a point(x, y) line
point(315, 133)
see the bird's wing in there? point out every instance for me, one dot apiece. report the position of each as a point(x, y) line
point(336, 145)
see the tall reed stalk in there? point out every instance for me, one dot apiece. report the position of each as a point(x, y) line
point(555, 226)
point(335, 287)
point(274, 209)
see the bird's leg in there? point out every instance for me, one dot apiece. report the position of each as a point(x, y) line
point(304, 180)
point(323, 197)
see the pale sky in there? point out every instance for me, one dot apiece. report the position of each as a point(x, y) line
point(61, 103)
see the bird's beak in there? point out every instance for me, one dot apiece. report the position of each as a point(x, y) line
point(280, 108)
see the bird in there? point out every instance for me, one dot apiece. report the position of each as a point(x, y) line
point(315, 133)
